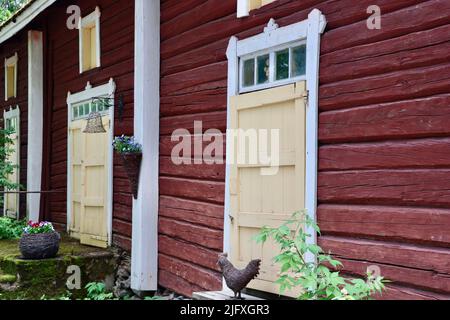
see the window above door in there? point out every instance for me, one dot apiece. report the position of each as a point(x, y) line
point(90, 52)
point(273, 67)
point(92, 99)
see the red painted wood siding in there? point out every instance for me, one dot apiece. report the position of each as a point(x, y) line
point(384, 136)
point(62, 65)
point(8, 49)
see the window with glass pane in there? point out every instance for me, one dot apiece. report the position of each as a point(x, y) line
point(263, 69)
point(298, 61)
point(249, 73)
point(282, 67)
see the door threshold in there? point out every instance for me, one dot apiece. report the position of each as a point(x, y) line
point(221, 296)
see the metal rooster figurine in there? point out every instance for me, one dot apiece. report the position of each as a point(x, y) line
point(236, 279)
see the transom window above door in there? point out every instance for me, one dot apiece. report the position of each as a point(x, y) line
point(84, 109)
point(277, 66)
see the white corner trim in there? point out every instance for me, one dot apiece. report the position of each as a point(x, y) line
point(91, 20)
point(11, 62)
point(35, 122)
point(309, 30)
point(144, 253)
point(106, 90)
point(11, 28)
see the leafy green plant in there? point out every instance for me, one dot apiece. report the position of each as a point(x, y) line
point(97, 291)
point(9, 7)
point(11, 229)
point(315, 279)
point(6, 166)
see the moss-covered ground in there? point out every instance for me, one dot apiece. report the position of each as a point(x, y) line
point(25, 279)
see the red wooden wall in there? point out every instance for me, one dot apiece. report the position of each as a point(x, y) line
point(62, 75)
point(7, 49)
point(384, 147)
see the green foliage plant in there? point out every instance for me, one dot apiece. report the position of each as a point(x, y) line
point(317, 280)
point(11, 229)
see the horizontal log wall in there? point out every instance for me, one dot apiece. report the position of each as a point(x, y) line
point(19, 45)
point(117, 62)
point(384, 155)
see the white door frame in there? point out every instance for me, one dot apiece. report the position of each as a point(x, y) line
point(309, 30)
point(10, 114)
point(106, 90)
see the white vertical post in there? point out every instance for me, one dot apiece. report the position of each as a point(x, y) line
point(316, 26)
point(35, 121)
point(233, 76)
point(144, 254)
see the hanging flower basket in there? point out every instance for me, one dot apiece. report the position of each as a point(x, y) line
point(39, 241)
point(131, 154)
point(132, 165)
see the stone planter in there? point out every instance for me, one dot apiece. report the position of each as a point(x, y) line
point(132, 165)
point(39, 246)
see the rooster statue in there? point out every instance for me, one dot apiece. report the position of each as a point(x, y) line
point(236, 279)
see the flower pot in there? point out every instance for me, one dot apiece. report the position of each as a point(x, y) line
point(39, 246)
point(132, 165)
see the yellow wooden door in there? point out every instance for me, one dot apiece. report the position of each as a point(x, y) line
point(12, 199)
point(258, 200)
point(89, 184)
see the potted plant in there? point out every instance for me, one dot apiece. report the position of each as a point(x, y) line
point(131, 153)
point(39, 241)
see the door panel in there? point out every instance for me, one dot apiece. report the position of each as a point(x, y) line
point(90, 184)
point(258, 200)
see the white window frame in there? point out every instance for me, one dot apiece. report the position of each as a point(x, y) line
point(108, 91)
point(310, 31)
point(90, 20)
point(11, 62)
point(11, 114)
point(272, 56)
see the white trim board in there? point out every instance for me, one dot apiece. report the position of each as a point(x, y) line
point(309, 30)
point(144, 249)
point(106, 90)
point(35, 121)
point(10, 114)
point(25, 17)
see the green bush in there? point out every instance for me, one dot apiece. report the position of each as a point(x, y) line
point(11, 229)
point(97, 291)
point(315, 279)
